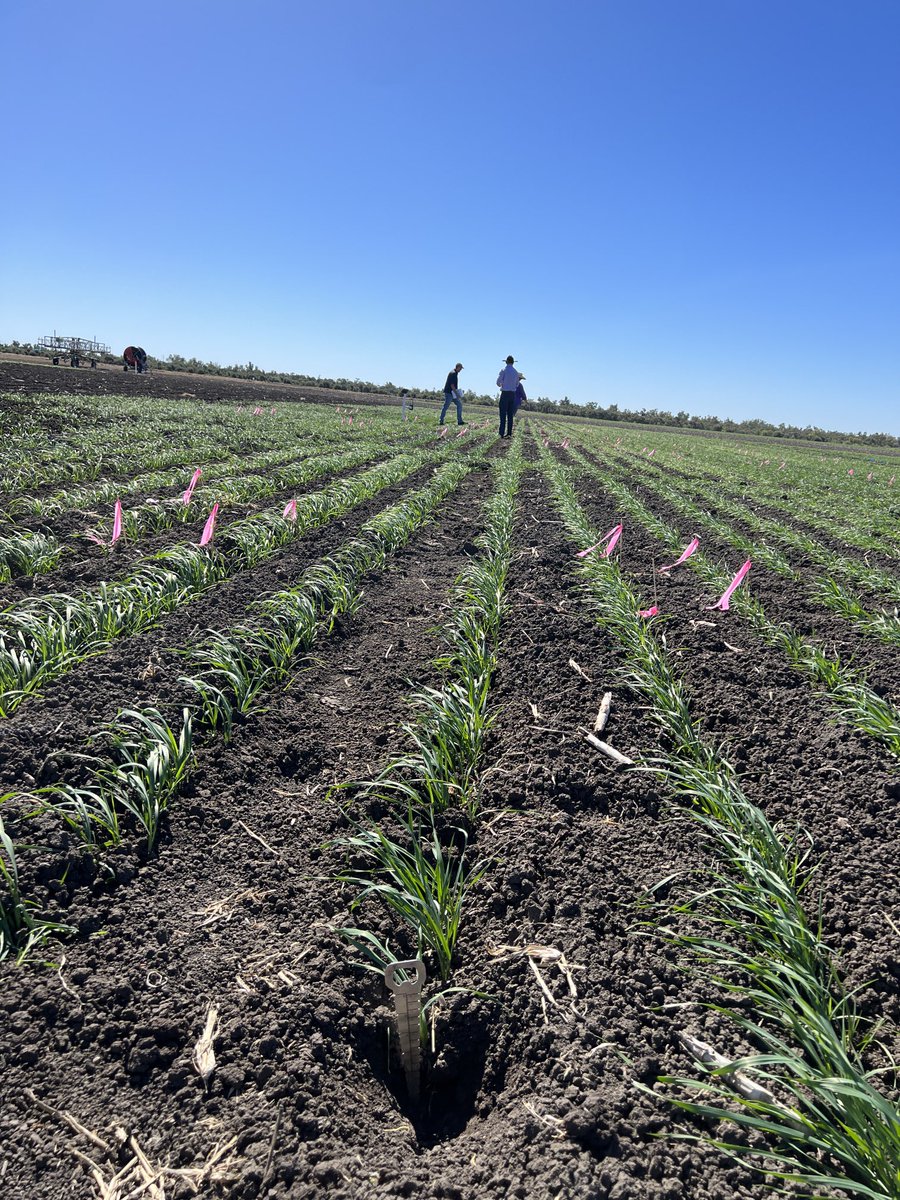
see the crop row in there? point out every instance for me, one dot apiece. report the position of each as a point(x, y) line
point(873, 579)
point(847, 690)
point(113, 436)
point(90, 495)
point(131, 784)
point(28, 554)
point(885, 627)
point(806, 1088)
point(857, 504)
point(110, 435)
point(41, 638)
point(416, 862)
point(152, 516)
point(35, 553)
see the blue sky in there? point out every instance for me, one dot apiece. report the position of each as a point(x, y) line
point(690, 205)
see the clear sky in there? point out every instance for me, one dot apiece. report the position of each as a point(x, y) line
point(683, 204)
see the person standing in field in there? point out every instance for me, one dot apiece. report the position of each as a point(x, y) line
point(453, 395)
point(507, 381)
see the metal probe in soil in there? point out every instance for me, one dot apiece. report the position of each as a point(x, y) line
point(407, 994)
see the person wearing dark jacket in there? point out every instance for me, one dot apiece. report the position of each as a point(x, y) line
point(453, 395)
point(507, 381)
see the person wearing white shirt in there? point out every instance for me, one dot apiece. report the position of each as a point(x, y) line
point(507, 382)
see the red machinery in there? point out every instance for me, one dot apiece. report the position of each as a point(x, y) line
point(135, 359)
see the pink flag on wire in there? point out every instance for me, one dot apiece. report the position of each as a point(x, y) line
point(648, 612)
point(189, 490)
point(891, 481)
point(723, 601)
point(869, 476)
point(783, 465)
point(290, 511)
point(652, 452)
point(617, 533)
point(210, 527)
point(443, 433)
point(117, 523)
point(612, 537)
point(273, 412)
point(257, 412)
point(689, 550)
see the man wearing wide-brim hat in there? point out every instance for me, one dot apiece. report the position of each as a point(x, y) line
point(507, 381)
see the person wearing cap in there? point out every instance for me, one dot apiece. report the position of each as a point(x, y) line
point(507, 381)
point(453, 395)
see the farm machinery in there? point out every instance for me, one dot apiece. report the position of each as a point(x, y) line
point(135, 359)
point(73, 348)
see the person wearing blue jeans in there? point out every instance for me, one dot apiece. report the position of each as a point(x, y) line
point(507, 381)
point(453, 395)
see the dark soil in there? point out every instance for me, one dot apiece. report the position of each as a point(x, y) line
point(524, 1095)
point(34, 378)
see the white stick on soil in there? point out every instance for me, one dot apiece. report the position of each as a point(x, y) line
point(603, 712)
point(742, 1083)
point(604, 747)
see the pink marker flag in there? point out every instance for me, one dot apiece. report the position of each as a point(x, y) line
point(891, 481)
point(783, 465)
point(443, 433)
point(273, 412)
point(210, 527)
point(869, 476)
point(689, 550)
point(652, 452)
point(189, 490)
point(617, 533)
point(117, 523)
point(648, 612)
point(257, 412)
point(724, 599)
point(612, 537)
point(290, 511)
point(850, 472)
